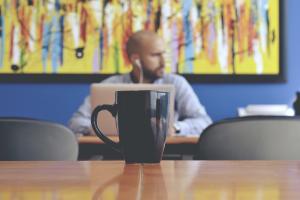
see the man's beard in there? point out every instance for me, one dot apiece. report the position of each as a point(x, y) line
point(152, 75)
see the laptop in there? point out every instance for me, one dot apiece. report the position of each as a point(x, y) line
point(105, 94)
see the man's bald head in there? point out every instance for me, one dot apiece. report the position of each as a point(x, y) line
point(139, 40)
point(145, 50)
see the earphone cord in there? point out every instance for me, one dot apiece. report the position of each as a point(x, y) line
point(141, 75)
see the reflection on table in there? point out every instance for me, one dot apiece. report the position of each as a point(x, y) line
point(218, 180)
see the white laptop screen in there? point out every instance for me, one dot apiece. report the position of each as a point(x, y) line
point(105, 94)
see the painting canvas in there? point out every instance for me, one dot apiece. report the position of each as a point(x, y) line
point(203, 38)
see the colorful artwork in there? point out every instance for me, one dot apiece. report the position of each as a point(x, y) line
point(89, 36)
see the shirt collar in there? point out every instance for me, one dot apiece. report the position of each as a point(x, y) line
point(128, 79)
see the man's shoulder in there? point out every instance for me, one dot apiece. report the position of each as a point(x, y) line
point(173, 78)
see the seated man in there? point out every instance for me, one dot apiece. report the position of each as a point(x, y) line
point(145, 51)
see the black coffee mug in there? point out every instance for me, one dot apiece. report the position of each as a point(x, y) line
point(142, 121)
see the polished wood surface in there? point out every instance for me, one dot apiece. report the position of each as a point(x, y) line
point(217, 180)
point(170, 140)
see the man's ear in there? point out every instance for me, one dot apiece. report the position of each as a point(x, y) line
point(138, 63)
point(135, 60)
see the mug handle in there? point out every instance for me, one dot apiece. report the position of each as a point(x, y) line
point(113, 110)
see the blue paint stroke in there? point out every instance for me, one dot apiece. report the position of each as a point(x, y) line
point(56, 46)
point(46, 43)
point(188, 36)
point(61, 23)
point(2, 40)
point(101, 46)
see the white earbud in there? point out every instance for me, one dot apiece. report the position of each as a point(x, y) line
point(138, 63)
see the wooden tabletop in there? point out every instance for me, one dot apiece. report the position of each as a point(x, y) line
point(218, 180)
point(170, 139)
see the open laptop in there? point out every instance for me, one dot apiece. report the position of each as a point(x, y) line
point(105, 94)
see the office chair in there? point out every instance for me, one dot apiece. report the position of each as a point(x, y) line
point(29, 139)
point(251, 138)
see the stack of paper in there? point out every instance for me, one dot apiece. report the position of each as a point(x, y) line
point(266, 109)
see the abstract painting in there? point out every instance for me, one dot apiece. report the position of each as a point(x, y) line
point(88, 37)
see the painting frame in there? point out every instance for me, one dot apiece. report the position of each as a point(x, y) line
point(192, 78)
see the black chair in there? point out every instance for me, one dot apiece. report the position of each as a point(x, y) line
point(29, 139)
point(251, 138)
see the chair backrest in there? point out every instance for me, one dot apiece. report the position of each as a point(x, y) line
point(251, 138)
point(28, 139)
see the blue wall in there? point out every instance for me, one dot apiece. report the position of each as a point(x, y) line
point(57, 102)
